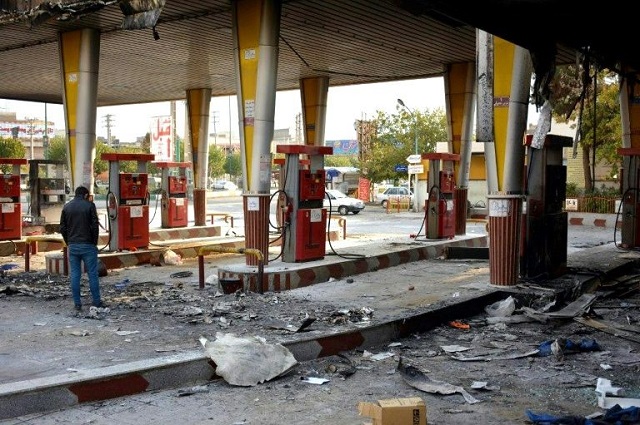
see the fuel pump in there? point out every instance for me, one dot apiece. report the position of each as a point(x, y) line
point(630, 230)
point(440, 206)
point(544, 246)
point(128, 202)
point(48, 190)
point(305, 219)
point(10, 207)
point(174, 201)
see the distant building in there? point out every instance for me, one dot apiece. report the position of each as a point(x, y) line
point(31, 132)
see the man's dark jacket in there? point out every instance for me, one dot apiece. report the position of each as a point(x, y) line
point(79, 222)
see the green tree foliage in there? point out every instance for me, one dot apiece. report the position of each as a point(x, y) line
point(395, 140)
point(341, 161)
point(57, 149)
point(600, 127)
point(216, 162)
point(233, 165)
point(11, 148)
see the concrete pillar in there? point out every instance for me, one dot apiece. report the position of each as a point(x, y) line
point(79, 60)
point(485, 127)
point(198, 101)
point(314, 92)
point(256, 28)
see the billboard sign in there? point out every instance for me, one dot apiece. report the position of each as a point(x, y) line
point(161, 143)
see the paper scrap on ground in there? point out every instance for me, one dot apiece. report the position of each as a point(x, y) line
point(248, 361)
point(417, 379)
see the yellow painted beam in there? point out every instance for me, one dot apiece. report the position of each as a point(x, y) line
point(69, 46)
point(248, 23)
point(502, 75)
point(457, 92)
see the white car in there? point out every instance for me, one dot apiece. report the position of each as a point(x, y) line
point(336, 201)
point(224, 185)
point(396, 192)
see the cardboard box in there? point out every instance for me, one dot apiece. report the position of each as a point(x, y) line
point(395, 411)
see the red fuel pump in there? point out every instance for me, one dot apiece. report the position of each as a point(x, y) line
point(440, 208)
point(10, 207)
point(128, 202)
point(174, 200)
point(305, 219)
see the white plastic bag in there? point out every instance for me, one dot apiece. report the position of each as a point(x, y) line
point(502, 308)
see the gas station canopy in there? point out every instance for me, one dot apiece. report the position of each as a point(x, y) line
point(352, 42)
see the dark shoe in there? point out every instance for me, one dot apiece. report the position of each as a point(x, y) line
point(100, 305)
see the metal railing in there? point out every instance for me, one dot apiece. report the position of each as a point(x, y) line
point(595, 204)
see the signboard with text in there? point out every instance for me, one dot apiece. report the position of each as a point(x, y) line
point(161, 143)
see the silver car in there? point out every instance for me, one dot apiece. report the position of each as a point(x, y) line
point(336, 201)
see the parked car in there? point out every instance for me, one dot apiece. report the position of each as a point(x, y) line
point(395, 191)
point(336, 201)
point(224, 185)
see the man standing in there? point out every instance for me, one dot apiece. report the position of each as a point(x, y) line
point(79, 228)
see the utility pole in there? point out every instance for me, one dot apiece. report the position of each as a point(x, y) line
point(298, 128)
point(108, 123)
point(214, 120)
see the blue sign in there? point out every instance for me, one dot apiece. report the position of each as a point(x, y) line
point(401, 168)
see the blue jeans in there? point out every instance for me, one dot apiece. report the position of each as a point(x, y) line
point(88, 254)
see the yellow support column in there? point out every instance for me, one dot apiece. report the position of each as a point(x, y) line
point(198, 101)
point(460, 82)
point(256, 29)
point(503, 73)
point(79, 60)
point(314, 93)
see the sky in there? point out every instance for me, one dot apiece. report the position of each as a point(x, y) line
point(345, 105)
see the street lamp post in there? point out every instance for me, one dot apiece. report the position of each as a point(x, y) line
point(415, 147)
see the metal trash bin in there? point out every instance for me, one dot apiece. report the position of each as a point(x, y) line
point(505, 218)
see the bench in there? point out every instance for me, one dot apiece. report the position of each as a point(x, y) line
point(228, 218)
point(31, 245)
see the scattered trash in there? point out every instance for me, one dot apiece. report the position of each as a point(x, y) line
point(125, 333)
point(82, 332)
point(279, 324)
point(487, 358)
point(609, 397)
point(248, 361)
point(481, 385)
point(417, 379)
point(179, 275)
point(614, 416)
point(345, 368)
point(502, 308)
point(122, 284)
point(606, 366)
point(454, 348)
point(170, 258)
point(567, 346)
point(459, 325)
point(344, 316)
point(377, 357)
point(314, 380)
point(193, 390)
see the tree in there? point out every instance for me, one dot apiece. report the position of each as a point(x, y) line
point(217, 160)
point(57, 149)
point(395, 139)
point(11, 148)
point(573, 101)
point(233, 166)
point(341, 161)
